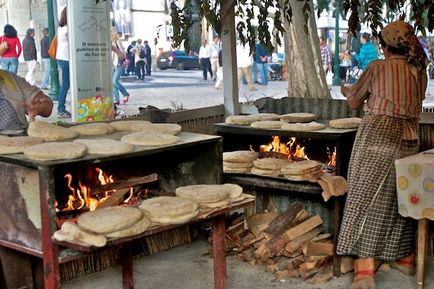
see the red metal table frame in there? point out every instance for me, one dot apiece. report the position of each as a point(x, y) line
point(51, 262)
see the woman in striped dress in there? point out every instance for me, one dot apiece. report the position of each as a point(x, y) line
point(393, 89)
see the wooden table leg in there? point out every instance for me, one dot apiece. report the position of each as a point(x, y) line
point(127, 267)
point(422, 233)
point(219, 252)
point(336, 224)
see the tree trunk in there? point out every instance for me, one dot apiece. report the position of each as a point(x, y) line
point(306, 76)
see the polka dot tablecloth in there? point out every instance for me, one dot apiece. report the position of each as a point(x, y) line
point(415, 185)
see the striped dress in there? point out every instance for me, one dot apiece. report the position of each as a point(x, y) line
point(371, 226)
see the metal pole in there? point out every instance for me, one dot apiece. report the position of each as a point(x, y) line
point(54, 91)
point(336, 76)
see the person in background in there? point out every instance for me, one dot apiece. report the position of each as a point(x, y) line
point(18, 98)
point(204, 59)
point(148, 54)
point(244, 65)
point(9, 59)
point(261, 60)
point(118, 56)
point(45, 45)
point(218, 84)
point(368, 52)
point(140, 57)
point(326, 55)
point(393, 89)
point(345, 65)
point(215, 48)
point(131, 69)
point(62, 56)
point(30, 55)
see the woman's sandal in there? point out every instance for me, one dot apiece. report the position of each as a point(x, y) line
point(125, 99)
point(405, 265)
point(364, 271)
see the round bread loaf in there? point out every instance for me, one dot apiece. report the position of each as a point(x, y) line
point(240, 156)
point(342, 123)
point(229, 170)
point(234, 190)
point(175, 220)
point(168, 207)
point(267, 173)
point(17, 144)
point(270, 163)
point(70, 232)
point(166, 128)
point(110, 219)
point(268, 124)
point(105, 146)
point(239, 120)
point(237, 165)
point(50, 132)
point(301, 167)
point(203, 193)
point(98, 128)
point(298, 117)
point(55, 151)
point(136, 229)
point(125, 125)
point(149, 139)
point(311, 126)
point(221, 204)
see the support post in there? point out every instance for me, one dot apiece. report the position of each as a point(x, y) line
point(219, 252)
point(422, 232)
point(54, 74)
point(230, 73)
point(127, 267)
point(336, 76)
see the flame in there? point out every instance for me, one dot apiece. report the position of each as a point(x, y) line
point(332, 157)
point(285, 148)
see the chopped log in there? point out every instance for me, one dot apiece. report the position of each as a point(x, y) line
point(318, 249)
point(295, 262)
point(301, 216)
point(235, 226)
point(324, 275)
point(306, 274)
point(258, 231)
point(293, 273)
point(282, 275)
point(283, 221)
point(296, 244)
point(248, 243)
point(100, 189)
point(259, 243)
point(302, 228)
point(115, 199)
point(292, 255)
point(248, 255)
point(321, 237)
point(260, 251)
point(309, 265)
point(347, 264)
point(281, 265)
point(260, 219)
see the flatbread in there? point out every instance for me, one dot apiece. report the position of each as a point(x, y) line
point(342, 123)
point(168, 207)
point(304, 177)
point(99, 128)
point(240, 156)
point(234, 190)
point(55, 151)
point(139, 227)
point(105, 146)
point(262, 172)
point(311, 126)
point(270, 163)
point(166, 128)
point(110, 219)
point(237, 165)
point(149, 139)
point(203, 193)
point(248, 119)
point(222, 204)
point(175, 220)
point(70, 232)
point(268, 124)
point(298, 117)
point(230, 170)
point(125, 125)
point(50, 132)
point(301, 167)
point(17, 144)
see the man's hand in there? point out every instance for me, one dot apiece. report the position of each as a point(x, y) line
point(40, 104)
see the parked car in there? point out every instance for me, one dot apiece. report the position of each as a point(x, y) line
point(177, 59)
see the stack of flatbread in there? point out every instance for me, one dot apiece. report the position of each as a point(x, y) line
point(50, 132)
point(302, 170)
point(342, 123)
point(238, 161)
point(125, 125)
point(310, 126)
point(114, 222)
point(166, 128)
point(71, 232)
point(248, 119)
point(269, 167)
point(98, 128)
point(207, 196)
point(298, 117)
point(268, 124)
point(170, 210)
point(236, 193)
point(52, 151)
point(17, 144)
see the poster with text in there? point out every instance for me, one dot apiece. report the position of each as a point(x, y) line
point(90, 60)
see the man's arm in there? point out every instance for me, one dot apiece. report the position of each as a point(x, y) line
point(40, 104)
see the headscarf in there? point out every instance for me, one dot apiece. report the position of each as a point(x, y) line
point(400, 34)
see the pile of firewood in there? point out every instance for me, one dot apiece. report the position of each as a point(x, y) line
point(291, 244)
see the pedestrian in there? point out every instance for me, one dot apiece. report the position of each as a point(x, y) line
point(148, 54)
point(215, 48)
point(18, 98)
point(118, 57)
point(393, 89)
point(62, 56)
point(131, 69)
point(261, 60)
point(140, 57)
point(9, 59)
point(204, 59)
point(30, 55)
point(326, 55)
point(218, 83)
point(244, 65)
point(45, 45)
point(368, 52)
